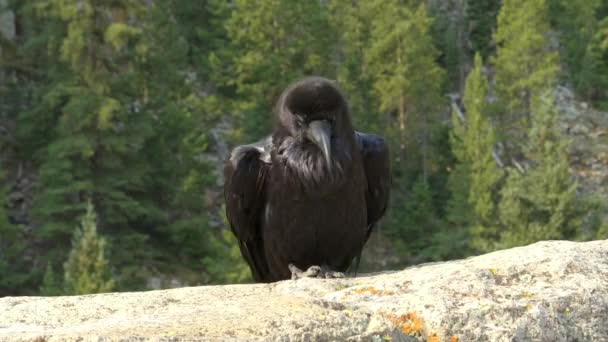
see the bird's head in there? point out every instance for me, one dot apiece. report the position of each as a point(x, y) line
point(314, 109)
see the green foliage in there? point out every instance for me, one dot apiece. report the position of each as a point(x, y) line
point(402, 58)
point(104, 123)
point(449, 35)
point(602, 232)
point(413, 222)
point(541, 204)
point(51, 286)
point(592, 81)
point(405, 81)
point(227, 265)
point(12, 265)
point(579, 24)
point(351, 21)
point(95, 134)
point(525, 68)
point(480, 19)
point(87, 269)
point(476, 174)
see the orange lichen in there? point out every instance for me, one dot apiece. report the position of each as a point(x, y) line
point(453, 339)
point(367, 289)
point(373, 291)
point(408, 323)
point(432, 338)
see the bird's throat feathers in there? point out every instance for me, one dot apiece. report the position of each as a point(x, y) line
point(303, 163)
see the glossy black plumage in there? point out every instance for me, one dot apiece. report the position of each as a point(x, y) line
point(287, 204)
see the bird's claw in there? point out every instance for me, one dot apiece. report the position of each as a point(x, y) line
point(314, 272)
point(333, 274)
point(311, 272)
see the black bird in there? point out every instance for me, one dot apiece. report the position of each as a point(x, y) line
point(308, 195)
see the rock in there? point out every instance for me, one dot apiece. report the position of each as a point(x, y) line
point(586, 127)
point(7, 22)
point(548, 291)
point(579, 129)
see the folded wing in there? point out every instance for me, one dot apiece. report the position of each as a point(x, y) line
point(377, 170)
point(246, 174)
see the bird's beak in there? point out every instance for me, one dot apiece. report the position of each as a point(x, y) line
point(319, 132)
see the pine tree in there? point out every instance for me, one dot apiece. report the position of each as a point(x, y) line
point(541, 204)
point(400, 59)
point(414, 224)
point(407, 79)
point(51, 286)
point(592, 81)
point(351, 21)
point(480, 19)
point(13, 269)
point(97, 131)
point(602, 232)
point(185, 135)
point(116, 108)
point(450, 35)
point(476, 172)
point(87, 269)
point(576, 23)
point(525, 68)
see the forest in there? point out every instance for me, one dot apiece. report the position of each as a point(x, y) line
point(116, 116)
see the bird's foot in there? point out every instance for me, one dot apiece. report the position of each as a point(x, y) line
point(311, 272)
point(314, 272)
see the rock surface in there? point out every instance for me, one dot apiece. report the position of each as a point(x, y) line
point(548, 291)
point(587, 129)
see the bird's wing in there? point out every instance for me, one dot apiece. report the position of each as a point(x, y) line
point(377, 170)
point(245, 175)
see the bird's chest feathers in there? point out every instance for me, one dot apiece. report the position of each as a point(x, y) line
point(303, 167)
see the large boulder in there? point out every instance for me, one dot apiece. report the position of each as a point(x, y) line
point(548, 291)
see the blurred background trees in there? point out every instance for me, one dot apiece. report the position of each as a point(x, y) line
point(132, 106)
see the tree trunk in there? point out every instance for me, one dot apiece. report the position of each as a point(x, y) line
point(402, 118)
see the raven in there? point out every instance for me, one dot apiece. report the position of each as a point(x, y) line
point(308, 195)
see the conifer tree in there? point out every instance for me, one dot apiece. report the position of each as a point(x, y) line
point(351, 21)
point(476, 172)
point(87, 269)
point(407, 79)
point(480, 19)
point(450, 34)
point(602, 232)
point(592, 81)
point(12, 265)
point(576, 23)
point(97, 132)
point(51, 286)
point(542, 203)
point(525, 67)
point(412, 230)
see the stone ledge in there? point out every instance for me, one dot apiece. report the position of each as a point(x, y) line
point(548, 291)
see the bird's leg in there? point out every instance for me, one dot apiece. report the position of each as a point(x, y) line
point(311, 272)
point(326, 272)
